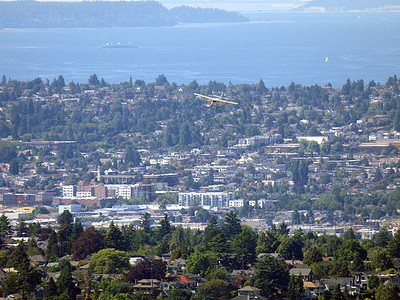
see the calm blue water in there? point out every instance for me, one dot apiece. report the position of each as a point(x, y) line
point(288, 47)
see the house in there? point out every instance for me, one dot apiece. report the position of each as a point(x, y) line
point(361, 279)
point(38, 260)
point(239, 277)
point(147, 286)
point(176, 266)
point(295, 263)
point(14, 296)
point(311, 290)
point(186, 282)
point(167, 286)
point(392, 278)
point(305, 273)
point(166, 256)
point(247, 273)
point(134, 260)
point(249, 292)
point(345, 283)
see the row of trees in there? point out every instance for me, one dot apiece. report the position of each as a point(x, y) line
point(222, 247)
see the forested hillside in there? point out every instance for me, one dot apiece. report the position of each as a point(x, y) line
point(33, 14)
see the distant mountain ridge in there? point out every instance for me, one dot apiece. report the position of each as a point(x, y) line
point(351, 5)
point(34, 14)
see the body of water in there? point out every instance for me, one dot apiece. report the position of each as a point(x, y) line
point(279, 48)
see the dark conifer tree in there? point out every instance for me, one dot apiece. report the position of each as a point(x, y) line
point(50, 289)
point(165, 226)
point(114, 238)
point(232, 225)
point(65, 283)
point(145, 222)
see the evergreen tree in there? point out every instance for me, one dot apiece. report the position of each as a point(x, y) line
point(267, 242)
point(282, 229)
point(14, 167)
point(394, 245)
point(145, 222)
point(128, 235)
point(244, 246)
point(165, 226)
point(114, 238)
point(5, 226)
point(232, 225)
point(28, 277)
point(65, 218)
point(77, 229)
point(185, 137)
point(93, 80)
point(218, 243)
point(271, 276)
point(161, 80)
point(50, 289)
point(349, 234)
point(382, 238)
point(132, 157)
point(65, 283)
point(18, 258)
point(299, 169)
point(52, 248)
point(211, 230)
point(177, 238)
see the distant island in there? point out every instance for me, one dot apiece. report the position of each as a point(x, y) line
point(351, 5)
point(34, 14)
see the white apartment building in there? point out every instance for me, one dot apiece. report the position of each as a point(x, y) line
point(262, 203)
point(236, 203)
point(83, 194)
point(73, 208)
point(259, 140)
point(212, 199)
point(128, 191)
point(121, 190)
point(68, 191)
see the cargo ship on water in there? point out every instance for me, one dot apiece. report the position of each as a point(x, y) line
point(119, 45)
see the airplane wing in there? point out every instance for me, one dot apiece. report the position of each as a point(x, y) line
point(230, 102)
point(216, 99)
point(211, 98)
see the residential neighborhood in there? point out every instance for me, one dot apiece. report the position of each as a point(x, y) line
point(294, 193)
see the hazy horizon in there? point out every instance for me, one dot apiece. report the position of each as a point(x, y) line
point(230, 5)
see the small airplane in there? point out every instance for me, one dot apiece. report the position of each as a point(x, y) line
point(216, 99)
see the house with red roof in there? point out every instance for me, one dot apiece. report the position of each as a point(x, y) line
point(186, 282)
